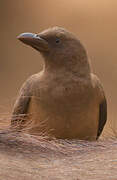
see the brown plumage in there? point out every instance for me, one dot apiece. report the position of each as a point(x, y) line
point(65, 99)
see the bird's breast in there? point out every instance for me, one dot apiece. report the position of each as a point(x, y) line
point(66, 94)
point(66, 109)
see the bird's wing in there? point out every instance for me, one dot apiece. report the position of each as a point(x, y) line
point(102, 104)
point(21, 105)
point(102, 116)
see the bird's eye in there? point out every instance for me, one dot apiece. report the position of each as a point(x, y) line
point(57, 40)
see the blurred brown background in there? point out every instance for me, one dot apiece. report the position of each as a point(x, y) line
point(94, 22)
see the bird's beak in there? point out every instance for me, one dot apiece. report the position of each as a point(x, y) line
point(34, 40)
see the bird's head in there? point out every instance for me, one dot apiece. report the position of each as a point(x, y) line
point(57, 45)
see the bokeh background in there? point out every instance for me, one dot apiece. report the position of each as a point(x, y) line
point(94, 22)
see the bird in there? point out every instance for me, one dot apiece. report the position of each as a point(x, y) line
point(65, 100)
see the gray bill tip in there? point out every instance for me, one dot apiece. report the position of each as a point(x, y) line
point(26, 35)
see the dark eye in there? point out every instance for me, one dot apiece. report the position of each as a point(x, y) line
point(57, 40)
